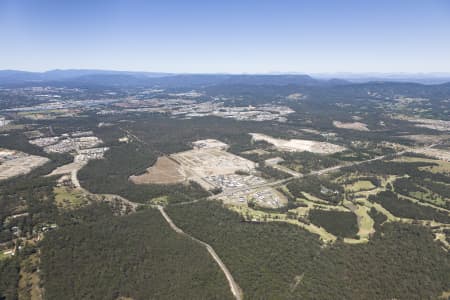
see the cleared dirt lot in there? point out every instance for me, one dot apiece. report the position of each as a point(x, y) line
point(299, 145)
point(20, 165)
point(209, 162)
point(164, 171)
point(353, 126)
point(201, 164)
point(68, 168)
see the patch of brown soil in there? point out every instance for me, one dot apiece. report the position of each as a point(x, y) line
point(164, 171)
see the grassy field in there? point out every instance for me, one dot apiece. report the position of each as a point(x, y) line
point(4, 256)
point(68, 198)
point(365, 222)
point(360, 185)
point(315, 199)
point(163, 200)
point(428, 196)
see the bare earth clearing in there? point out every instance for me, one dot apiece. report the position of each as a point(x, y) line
point(68, 168)
point(208, 162)
point(197, 164)
point(424, 138)
point(439, 125)
point(19, 164)
point(164, 171)
point(294, 145)
point(354, 125)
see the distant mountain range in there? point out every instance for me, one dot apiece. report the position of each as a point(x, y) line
point(424, 78)
point(144, 79)
point(13, 76)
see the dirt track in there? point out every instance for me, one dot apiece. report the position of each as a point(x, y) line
point(235, 289)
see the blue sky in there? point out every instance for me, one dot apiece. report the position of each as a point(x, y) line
point(231, 36)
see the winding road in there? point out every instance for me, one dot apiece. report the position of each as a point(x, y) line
point(234, 287)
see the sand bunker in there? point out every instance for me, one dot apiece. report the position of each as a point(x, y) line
point(295, 145)
point(164, 171)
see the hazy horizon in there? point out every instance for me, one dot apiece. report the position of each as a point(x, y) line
point(318, 74)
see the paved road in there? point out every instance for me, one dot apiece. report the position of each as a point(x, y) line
point(318, 172)
point(234, 287)
point(299, 175)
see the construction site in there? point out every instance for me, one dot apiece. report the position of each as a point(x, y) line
point(201, 163)
point(210, 165)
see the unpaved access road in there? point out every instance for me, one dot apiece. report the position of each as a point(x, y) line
point(235, 289)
